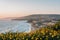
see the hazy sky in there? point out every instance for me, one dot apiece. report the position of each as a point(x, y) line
point(16, 8)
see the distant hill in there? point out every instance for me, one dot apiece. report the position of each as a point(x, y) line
point(39, 16)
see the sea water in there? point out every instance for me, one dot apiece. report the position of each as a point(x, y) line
point(14, 26)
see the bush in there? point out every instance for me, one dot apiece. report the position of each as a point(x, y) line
point(44, 33)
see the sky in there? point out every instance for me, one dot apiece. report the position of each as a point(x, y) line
point(19, 8)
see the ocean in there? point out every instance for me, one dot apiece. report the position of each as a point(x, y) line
point(14, 26)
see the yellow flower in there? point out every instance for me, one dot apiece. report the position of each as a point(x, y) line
point(17, 38)
point(50, 33)
point(11, 36)
point(43, 32)
point(46, 36)
point(23, 38)
point(32, 38)
point(40, 38)
point(55, 33)
point(27, 39)
point(36, 39)
point(52, 36)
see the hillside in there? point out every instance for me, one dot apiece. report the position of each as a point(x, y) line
point(39, 16)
